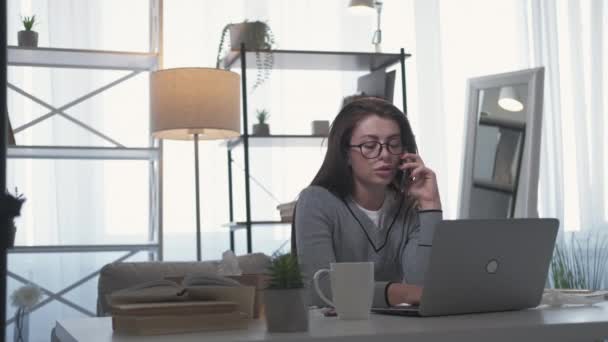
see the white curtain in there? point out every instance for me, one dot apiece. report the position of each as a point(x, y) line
point(569, 38)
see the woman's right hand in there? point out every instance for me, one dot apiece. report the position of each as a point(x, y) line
point(399, 293)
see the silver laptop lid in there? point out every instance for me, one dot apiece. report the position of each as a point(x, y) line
point(488, 265)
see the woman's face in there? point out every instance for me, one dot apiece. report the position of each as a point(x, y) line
point(369, 167)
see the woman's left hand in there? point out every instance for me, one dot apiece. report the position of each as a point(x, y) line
point(422, 185)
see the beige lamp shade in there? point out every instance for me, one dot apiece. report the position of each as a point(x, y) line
point(188, 101)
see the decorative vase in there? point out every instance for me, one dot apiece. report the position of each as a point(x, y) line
point(285, 310)
point(261, 129)
point(21, 332)
point(27, 38)
point(320, 127)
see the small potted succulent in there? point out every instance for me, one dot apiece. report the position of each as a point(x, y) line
point(285, 307)
point(10, 207)
point(256, 35)
point(262, 128)
point(28, 37)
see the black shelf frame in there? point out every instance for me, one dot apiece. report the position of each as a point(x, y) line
point(302, 60)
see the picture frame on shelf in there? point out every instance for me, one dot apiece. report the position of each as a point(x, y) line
point(378, 83)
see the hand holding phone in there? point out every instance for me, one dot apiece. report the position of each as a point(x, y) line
point(405, 176)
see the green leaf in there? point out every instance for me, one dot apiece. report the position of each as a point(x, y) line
point(284, 273)
point(28, 22)
point(581, 262)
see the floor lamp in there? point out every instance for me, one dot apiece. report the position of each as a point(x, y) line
point(195, 104)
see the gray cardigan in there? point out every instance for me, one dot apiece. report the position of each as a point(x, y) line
point(330, 229)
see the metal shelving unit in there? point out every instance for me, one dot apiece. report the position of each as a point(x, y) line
point(135, 63)
point(292, 60)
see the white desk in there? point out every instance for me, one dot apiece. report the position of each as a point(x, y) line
point(541, 324)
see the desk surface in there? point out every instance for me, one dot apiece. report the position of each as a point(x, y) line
point(572, 323)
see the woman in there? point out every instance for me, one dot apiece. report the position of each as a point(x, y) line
point(358, 208)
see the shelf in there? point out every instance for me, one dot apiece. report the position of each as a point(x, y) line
point(83, 248)
point(280, 140)
point(243, 225)
point(73, 152)
point(489, 185)
point(87, 59)
point(317, 60)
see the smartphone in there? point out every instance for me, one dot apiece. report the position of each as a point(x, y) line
point(405, 175)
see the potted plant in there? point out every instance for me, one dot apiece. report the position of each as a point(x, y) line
point(261, 128)
point(28, 37)
point(580, 263)
point(256, 35)
point(285, 307)
point(10, 207)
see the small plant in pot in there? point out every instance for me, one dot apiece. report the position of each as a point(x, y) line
point(285, 307)
point(256, 35)
point(10, 208)
point(262, 128)
point(28, 37)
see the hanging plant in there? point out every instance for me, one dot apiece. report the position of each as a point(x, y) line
point(256, 36)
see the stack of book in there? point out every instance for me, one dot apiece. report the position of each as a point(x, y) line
point(199, 303)
point(286, 211)
point(177, 317)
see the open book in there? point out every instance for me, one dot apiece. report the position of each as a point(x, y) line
point(196, 294)
point(166, 290)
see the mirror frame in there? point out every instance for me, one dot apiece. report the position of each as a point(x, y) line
point(526, 192)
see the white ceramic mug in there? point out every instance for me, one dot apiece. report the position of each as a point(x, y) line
point(352, 287)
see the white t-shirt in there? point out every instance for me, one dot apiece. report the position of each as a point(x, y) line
point(374, 215)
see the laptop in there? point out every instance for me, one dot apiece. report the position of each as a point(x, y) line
point(485, 266)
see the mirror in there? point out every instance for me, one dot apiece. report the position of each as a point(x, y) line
point(502, 145)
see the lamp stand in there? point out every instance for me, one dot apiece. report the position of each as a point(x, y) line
point(377, 38)
point(198, 208)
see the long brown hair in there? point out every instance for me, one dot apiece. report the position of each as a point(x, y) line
point(335, 173)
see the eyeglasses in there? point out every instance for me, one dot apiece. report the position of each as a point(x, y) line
point(372, 149)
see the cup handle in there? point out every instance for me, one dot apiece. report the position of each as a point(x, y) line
point(315, 279)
